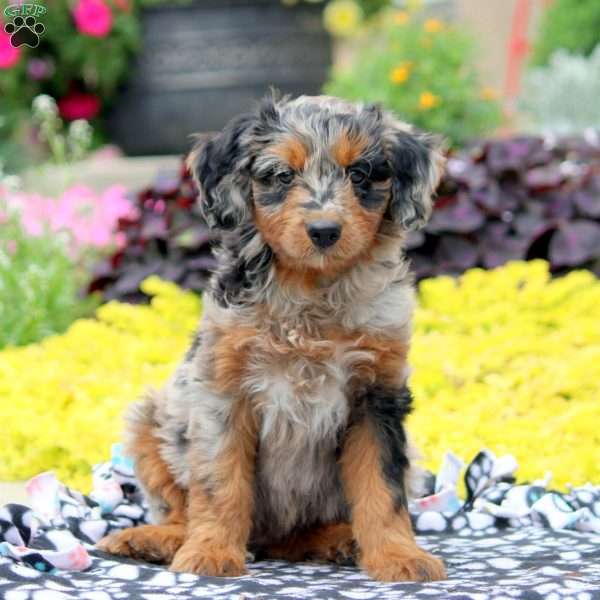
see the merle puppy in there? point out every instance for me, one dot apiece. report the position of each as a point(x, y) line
point(281, 432)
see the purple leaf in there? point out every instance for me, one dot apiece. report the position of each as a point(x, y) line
point(558, 205)
point(130, 281)
point(488, 197)
point(506, 156)
point(542, 179)
point(201, 263)
point(529, 224)
point(575, 243)
point(588, 203)
point(498, 247)
point(457, 215)
point(154, 227)
point(587, 199)
point(456, 253)
point(466, 172)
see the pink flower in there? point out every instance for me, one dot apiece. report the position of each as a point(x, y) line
point(93, 17)
point(79, 105)
point(90, 218)
point(9, 56)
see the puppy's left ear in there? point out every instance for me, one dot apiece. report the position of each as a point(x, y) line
point(417, 166)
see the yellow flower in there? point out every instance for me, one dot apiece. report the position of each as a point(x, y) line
point(401, 17)
point(342, 17)
point(483, 348)
point(488, 93)
point(433, 26)
point(427, 101)
point(401, 73)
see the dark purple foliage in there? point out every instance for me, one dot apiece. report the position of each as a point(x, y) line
point(515, 199)
point(500, 200)
point(169, 238)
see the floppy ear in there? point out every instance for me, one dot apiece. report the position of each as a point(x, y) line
point(417, 166)
point(220, 166)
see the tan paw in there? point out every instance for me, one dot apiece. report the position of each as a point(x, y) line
point(152, 543)
point(344, 553)
point(402, 564)
point(211, 561)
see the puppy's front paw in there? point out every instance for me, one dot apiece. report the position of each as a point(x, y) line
point(403, 564)
point(213, 561)
point(152, 543)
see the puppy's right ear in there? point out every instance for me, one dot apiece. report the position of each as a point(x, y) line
point(220, 165)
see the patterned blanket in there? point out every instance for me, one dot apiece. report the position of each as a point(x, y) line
point(504, 541)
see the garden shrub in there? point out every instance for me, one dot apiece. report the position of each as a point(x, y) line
point(517, 198)
point(39, 285)
point(166, 236)
point(571, 25)
point(500, 200)
point(508, 359)
point(423, 69)
point(562, 98)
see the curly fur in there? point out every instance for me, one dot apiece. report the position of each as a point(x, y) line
point(299, 367)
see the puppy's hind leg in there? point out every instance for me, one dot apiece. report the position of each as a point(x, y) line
point(153, 543)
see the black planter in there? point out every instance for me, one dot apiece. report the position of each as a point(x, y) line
point(204, 62)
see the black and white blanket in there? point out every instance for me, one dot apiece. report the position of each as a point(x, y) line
point(505, 541)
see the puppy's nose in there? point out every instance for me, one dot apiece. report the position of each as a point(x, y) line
point(324, 233)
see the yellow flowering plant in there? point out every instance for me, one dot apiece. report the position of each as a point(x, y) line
point(423, 69)
point(506, 359)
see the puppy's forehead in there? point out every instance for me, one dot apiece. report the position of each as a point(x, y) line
point(321, 128)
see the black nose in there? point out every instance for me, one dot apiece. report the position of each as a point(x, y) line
point(324, 233)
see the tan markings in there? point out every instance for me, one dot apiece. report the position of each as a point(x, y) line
point(230, 357)
point(153, 543)
point(292, 151)
point(381, 357)
point(348, 148)
point(220, 510)
point(332, 542)
point(153, 472)
point(284, 229)
point(387, 355)
point(385, 538)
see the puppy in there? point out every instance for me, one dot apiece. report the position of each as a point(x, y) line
point(281, 432)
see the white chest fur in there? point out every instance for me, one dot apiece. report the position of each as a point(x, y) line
point(303, 410)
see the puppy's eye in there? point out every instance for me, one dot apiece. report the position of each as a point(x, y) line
point(357, 176)
point(285, 177)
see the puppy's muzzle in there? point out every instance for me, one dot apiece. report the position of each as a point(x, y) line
point(324, 234)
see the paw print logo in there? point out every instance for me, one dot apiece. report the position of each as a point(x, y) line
point(24, 31)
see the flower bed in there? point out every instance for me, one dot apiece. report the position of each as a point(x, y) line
point(524, 197)
point(508, 359)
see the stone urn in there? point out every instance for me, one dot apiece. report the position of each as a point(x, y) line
point(207, 60)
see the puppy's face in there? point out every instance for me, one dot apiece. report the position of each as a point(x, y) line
point(319, 196)
point(318, 177)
